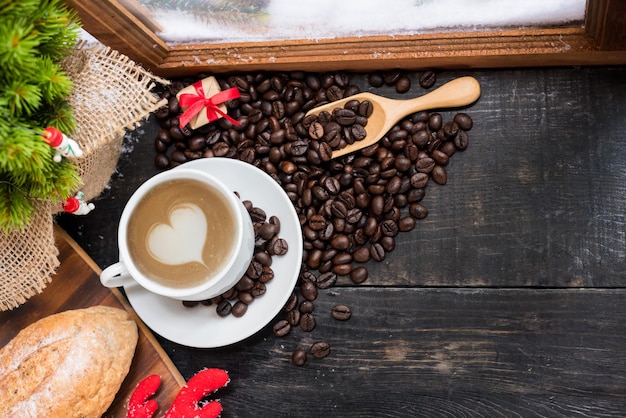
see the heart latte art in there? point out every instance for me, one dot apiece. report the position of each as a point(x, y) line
point(182, 239)
point(181, 233)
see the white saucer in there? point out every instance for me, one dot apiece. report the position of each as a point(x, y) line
point(200, 326)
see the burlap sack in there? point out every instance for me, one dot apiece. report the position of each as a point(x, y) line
point(111, 93)
point(28, 259)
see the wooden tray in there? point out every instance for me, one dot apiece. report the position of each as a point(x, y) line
point(77, 285)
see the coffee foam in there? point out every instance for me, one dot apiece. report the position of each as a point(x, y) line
point(182, 240)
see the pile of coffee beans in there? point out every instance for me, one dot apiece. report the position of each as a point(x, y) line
point(352, 208)
point(253, 283)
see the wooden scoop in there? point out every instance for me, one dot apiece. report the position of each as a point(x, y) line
point(387, 112)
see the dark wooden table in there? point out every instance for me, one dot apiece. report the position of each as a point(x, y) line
point(509, 299)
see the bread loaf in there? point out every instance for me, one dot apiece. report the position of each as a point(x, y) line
point(70, 364)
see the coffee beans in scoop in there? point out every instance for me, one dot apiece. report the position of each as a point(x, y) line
point(335, 130)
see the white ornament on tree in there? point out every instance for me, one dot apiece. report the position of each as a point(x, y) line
point(64, 146)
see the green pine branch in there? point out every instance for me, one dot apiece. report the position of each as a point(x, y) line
point(35, 35)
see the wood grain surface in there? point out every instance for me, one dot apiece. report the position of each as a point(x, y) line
point(507, 300)
point(77, 285)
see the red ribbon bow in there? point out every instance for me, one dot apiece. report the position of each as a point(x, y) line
point(194, 103)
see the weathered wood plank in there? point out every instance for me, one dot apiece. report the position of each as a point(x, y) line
point(438, 352)
point(507, 300)
point(538, 198)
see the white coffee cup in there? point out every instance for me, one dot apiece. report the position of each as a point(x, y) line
point(178, 239)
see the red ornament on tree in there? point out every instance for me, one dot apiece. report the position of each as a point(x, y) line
point(77, 205)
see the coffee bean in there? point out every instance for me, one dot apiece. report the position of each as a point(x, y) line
point(341, 312)
point(464, 121)
point(224, 308)
point(450, 129)
point(419, 180)
point(366, 108)
point(291, 303)
point(354, 215)
point(162, 112)
point(308, 290)
point(340, 242)
point(358, 275)
point(307, 322)
point(342, 269)
point(293, 317)
point(421, 138)
point(326, 280)
point(334, 93)
point(320, 349)
point(320, 193)
point(281, 328)
point(344, 117)
point(376, 79)
point(246, 282)
point(418, 211)
point(440, 157)
point(358, 132)
point(279, 247)
point(361, 255)
point(325, 151)
point(389, 228)
point(260, 287)
point(388, 243)
point(239, 309)
point(306, 306)
point(245, 297)
point(427, 79)
point(406, 223)
point(267, 230)
point(161, 161)
point(434, 144)
point(425, 165)
point(266, 276)
point(391, 76)
point(403, 84)
point(299, 357)
point(316, 130)
point(461, 141)
point(439, 175)
point(435, 121)
point(377, 252)
point(317, 222)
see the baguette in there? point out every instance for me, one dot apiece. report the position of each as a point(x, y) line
point(69, 364)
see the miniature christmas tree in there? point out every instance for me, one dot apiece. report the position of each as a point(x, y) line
point(35, 36)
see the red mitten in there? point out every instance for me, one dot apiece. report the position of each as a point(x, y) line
point(138, 405)
point(185, 404)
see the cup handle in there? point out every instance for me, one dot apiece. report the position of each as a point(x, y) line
point(116, 275)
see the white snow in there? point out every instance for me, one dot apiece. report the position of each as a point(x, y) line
point(319, 19)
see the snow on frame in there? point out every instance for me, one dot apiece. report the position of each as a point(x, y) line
point(319, 19)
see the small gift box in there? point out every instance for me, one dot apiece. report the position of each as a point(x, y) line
point(203, 102)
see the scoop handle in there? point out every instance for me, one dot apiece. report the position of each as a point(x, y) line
point(459, 92)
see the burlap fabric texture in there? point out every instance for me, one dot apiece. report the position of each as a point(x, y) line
point(111, 94)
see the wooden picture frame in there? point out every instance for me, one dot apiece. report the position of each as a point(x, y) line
point(600, 41)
